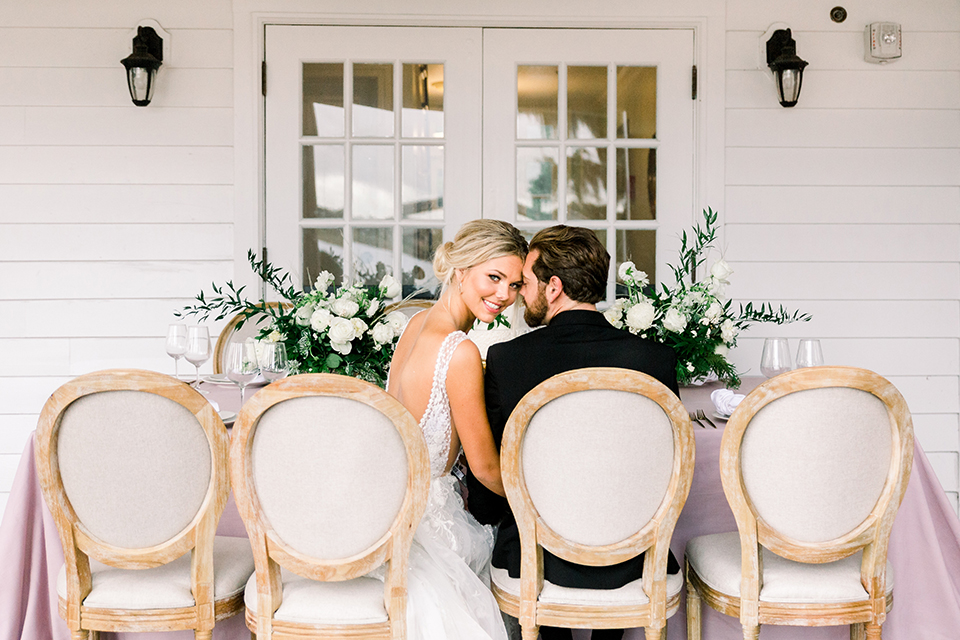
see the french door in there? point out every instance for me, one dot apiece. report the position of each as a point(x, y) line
point(382, 141)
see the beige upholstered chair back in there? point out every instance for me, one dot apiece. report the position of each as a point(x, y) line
point(600, 459)
point(818, 456)
point(131, 462)
point(330, 472)
point(249, 328)
point(597, 464)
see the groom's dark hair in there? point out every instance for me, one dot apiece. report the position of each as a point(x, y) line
point(576, 256)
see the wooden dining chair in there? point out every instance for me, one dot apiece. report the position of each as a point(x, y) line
point(331, 477)
point(814, 464)
point(238, 329)
point(597, 464)
point(133, 466)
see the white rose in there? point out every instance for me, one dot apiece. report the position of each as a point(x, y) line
point(728, 331)
point(626, 268)
point(359, 326)
point(613, 316)
point(674, 321)
point(345, 307)
point(341, 331)
point(722, 350)
point(390, 286)
point(383, 333)
point(640, 278)
point(397, 320)
point(323, 281)
point(302, 315)
point(274, 336)
point(343, 348)
point(716, 287)
point(721, 271)
point(320, 320)
point(640, 316)
point(713, 312)
point(373, 308)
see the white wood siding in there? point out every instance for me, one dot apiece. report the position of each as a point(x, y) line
point(847, 205)
point(112, 216)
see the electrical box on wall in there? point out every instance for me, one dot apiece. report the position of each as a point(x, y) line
point(882, 42)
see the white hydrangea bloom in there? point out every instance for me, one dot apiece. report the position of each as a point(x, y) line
point(323, 281)
point(728, 331)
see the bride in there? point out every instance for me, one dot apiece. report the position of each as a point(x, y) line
point(436, 373)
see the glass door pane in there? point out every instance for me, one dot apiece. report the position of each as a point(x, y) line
point(615, 106)
point(373, 159)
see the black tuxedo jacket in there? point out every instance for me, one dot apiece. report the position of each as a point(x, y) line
point(572, 340)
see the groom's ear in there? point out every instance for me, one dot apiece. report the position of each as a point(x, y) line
point(554, 288)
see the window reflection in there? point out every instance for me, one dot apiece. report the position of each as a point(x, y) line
point(323, 113)
point(537, 183)
point(586, 102)
point(323, 181)
point(373, 182)
point(422, 115)
point(322, 251)
point(372, 253)
point(587, 183)
point(372, 100)
point(537, 94)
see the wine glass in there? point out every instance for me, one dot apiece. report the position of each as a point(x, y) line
point(809, 354)
point(242, 365)
point(176, 345)
point(775, 358)
point(198, 349)
point(273, 362)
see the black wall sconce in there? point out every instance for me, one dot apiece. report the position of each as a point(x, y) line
point(142, 65)
point(787, 67)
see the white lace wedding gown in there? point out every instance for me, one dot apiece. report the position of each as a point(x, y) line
point(448, 592)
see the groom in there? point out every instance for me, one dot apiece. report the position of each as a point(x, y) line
point(564, 276)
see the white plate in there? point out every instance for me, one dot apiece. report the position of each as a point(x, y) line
point(227, 416)
point(720, 416)
point(217, 378)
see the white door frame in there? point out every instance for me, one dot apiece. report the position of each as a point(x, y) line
point(251, 17)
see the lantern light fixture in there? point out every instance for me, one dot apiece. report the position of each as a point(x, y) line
point(787, 67)
point(142, 65)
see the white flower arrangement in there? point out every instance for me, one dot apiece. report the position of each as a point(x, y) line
point(693, 318)
point(346, 331)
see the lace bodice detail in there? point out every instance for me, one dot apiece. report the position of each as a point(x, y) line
point(436, 422)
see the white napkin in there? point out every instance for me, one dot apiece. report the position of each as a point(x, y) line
point(726, 401)
point(216, 407)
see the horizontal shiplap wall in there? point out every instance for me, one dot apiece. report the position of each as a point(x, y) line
point(111, 216)
point(847, 205)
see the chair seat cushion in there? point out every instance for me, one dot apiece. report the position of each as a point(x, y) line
point(168, 586)
point(716, 560)
point(631, 594)
point(357, 601)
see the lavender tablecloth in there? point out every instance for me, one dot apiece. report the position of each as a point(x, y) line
point(924, 551)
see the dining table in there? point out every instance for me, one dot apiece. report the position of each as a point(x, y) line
point(924, 548)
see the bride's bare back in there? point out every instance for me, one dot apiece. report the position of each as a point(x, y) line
point(414, 363)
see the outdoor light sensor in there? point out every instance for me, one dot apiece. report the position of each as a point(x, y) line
point(882, 43)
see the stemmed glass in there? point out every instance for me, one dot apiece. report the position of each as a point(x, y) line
point(775, 358)
point(198, 349)
point(273, 361)
point(176, 345)
point(809, 354)
point(242, 365)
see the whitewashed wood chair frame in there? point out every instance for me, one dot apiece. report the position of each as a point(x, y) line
point(271, 552)
point(250, 328)
point(653, 537)
point(871, 535)
point(80, 544)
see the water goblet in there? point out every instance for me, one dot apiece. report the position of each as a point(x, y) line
point(198, 349)
point(242, 365)
point(176, 345)
point(809, 354)
point(775, 358)
point(273, 361)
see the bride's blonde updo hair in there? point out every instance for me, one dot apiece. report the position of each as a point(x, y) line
point(475, 243)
